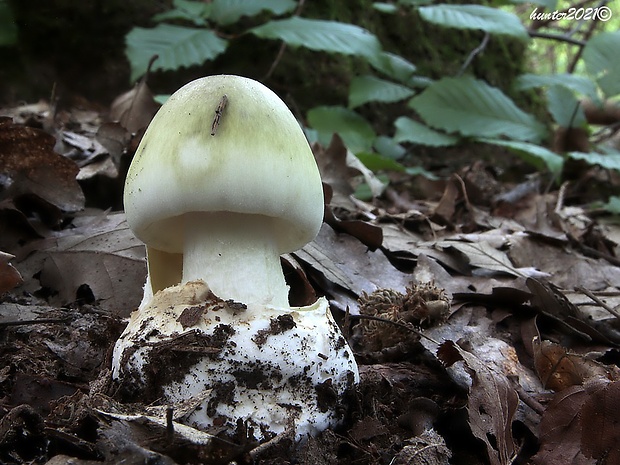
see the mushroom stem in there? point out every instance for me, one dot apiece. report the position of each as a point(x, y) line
point(237, 256)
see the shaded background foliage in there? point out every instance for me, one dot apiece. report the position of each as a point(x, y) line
point(78, 48)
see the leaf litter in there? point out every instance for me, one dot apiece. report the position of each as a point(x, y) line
point(484, 315)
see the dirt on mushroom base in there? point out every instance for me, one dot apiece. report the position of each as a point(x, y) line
point(258, 369)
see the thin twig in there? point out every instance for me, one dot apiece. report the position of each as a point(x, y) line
point(282, 48)
point(602, 304)
point(559, 38)
point(34, 322)
point(288, 433)
point(587, 35)
point(475, 52)
point(528, 399)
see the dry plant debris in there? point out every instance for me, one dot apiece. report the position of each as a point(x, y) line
point(494, 327)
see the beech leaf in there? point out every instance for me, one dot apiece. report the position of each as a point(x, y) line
point(102, 254)
point(491, 405)
point(472, 107)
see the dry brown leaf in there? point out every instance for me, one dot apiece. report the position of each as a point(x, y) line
point(445, 209)
point(368, 234)
point(558, 369)
point(560, 430)
point(485, 251)
point(332, 163)
point(491, 405)
point(9, 276)
point(569, 269)
point(135, 109)
point(580, 425)
point(551, 301)
point(345, 267)
point(31, 167)
point(114, 138)
point(600, 432)
point(103, 254)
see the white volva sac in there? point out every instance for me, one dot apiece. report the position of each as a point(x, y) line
point(271, 368)
point(223, 182)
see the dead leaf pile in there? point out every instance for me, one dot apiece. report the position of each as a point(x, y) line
point(512, 358)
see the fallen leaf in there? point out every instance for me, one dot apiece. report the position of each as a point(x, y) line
point(135, 109)
point(15, 229)
point(332, 163)
point(375, 184)
point(558, 369)
point(491, 405)
point(31, 167)
point(600, 432)
point(368, 234)
point(344, 267)
point(551, 301)
point(445, 209)
point(9, 276)
point(560, 430)
point(568, 268)
point(102, 254)
point(483, 254)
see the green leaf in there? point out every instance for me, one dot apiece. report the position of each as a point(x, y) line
point(420, 171)
point(186, 10)
point(488, 19)
point(579, 84)
point(408, 130)
point(601, 58)
point(394, 66)
point(376, 162)
point(383, 7)
point(225, 12)
point(609, 161)
point(161, 98)
point(413, 3)
point(354, 130)
point(388, 147)
point(613, 205)
point(565, 108)
point(533, 154)
point(8, 26)
point(176, 47)
point(419, 82)
point(325, 36)
point(364, 89)
point(471, 107)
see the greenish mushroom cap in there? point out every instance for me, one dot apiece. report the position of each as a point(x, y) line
point(254, 160)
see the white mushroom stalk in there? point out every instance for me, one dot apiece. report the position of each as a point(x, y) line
point(237, 256)
point(222, 184)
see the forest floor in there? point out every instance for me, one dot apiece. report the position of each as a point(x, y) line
point(495, 298)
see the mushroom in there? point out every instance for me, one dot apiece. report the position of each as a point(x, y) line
point(222, 184)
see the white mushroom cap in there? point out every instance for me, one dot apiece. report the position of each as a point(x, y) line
point(258, 162)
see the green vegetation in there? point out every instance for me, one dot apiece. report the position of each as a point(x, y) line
point(395, 105)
